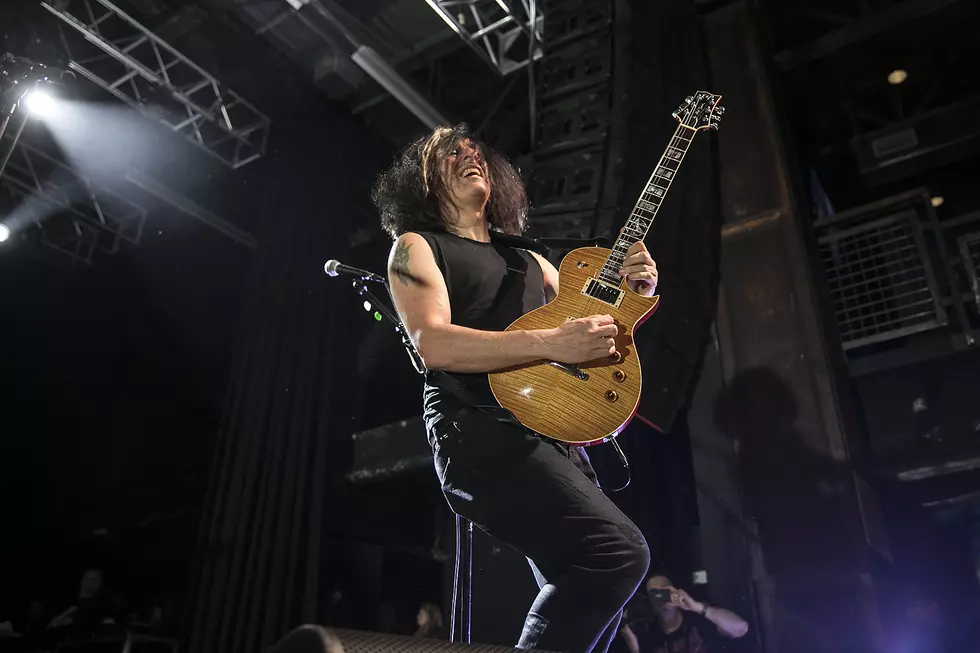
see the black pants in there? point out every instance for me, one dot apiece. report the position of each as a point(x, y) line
point(542, 499)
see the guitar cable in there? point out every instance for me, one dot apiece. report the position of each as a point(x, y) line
point(626, 465)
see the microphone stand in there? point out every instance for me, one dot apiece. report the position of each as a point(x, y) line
point(463, 577)
point(360, 285)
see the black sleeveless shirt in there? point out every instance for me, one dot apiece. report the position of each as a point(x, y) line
point(490, 285)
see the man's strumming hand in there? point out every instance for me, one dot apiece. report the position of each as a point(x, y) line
point(581, 340)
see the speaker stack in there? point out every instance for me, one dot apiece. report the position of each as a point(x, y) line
point(315, 639)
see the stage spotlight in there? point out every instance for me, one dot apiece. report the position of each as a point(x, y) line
point(937, 201)
point(40, 103)
point(898, 76)
point(4, 232)
point(367, 306)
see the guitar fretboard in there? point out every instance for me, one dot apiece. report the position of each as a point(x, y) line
point(649, 203)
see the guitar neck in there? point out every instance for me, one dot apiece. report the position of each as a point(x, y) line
point(646, 208)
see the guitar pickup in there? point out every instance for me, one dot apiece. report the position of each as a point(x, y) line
point(604, 292)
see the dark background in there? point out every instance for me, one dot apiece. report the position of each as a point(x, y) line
point(127, 389)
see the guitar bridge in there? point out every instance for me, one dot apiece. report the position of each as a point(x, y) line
point(579, 374)
point(604, 292)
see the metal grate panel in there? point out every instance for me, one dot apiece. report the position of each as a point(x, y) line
point(881, 281)
point(970, 255)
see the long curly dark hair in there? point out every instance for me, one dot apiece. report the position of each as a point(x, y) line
point(412, 194)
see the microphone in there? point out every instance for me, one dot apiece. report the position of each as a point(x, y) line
point(334, 268)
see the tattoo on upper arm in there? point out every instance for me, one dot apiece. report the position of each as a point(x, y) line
point(399, 264)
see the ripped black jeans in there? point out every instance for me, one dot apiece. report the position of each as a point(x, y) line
point(542, 499)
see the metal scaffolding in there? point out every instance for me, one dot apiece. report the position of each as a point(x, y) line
point(493, 29)
point(73, 214)
point(969, 246)
point(114, 51)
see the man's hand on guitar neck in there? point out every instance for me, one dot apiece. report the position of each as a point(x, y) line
point(640, 270)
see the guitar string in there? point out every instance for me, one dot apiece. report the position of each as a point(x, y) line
point(592, 304)
point(591, 301)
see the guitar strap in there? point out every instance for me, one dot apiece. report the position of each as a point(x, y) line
point(516, 273)
point(444, 381)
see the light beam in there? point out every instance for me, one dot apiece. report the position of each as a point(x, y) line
point(40, 103)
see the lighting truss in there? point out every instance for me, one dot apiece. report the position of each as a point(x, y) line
point(969, 245)
point(493, 29)
point(98, 220)
point(117, 53)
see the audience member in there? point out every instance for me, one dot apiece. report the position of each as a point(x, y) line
point(35, 623)
point(669, 631)
point(7, 619)
point(93, 608)
point(429, 622)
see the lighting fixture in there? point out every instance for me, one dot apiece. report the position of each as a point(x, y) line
point(937, 201)
point(40, 103)
point(4, 232)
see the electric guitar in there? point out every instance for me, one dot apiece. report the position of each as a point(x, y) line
point(592, 402)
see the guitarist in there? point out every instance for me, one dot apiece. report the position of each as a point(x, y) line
point(456, 288)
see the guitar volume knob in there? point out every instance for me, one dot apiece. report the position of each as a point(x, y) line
point(611, 396)
point(619, 375)
point(616, 357)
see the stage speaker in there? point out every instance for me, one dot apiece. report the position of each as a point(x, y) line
point(315, 639)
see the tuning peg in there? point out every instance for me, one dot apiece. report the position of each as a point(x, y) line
point(720, 110)
point(689, 99)
point(713, 125)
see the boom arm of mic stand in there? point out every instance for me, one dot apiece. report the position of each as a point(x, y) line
point(361, 287)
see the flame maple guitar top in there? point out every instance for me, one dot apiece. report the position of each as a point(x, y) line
point(558, 403)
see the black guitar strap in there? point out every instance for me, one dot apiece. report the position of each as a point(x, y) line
point(516, 273)
point(444, 381)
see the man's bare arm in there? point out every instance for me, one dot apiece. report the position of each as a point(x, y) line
point(422, 301)
point(550, 276)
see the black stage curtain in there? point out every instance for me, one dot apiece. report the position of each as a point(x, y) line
point(259, 568)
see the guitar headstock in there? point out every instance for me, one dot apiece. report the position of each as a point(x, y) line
point(700, 111)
